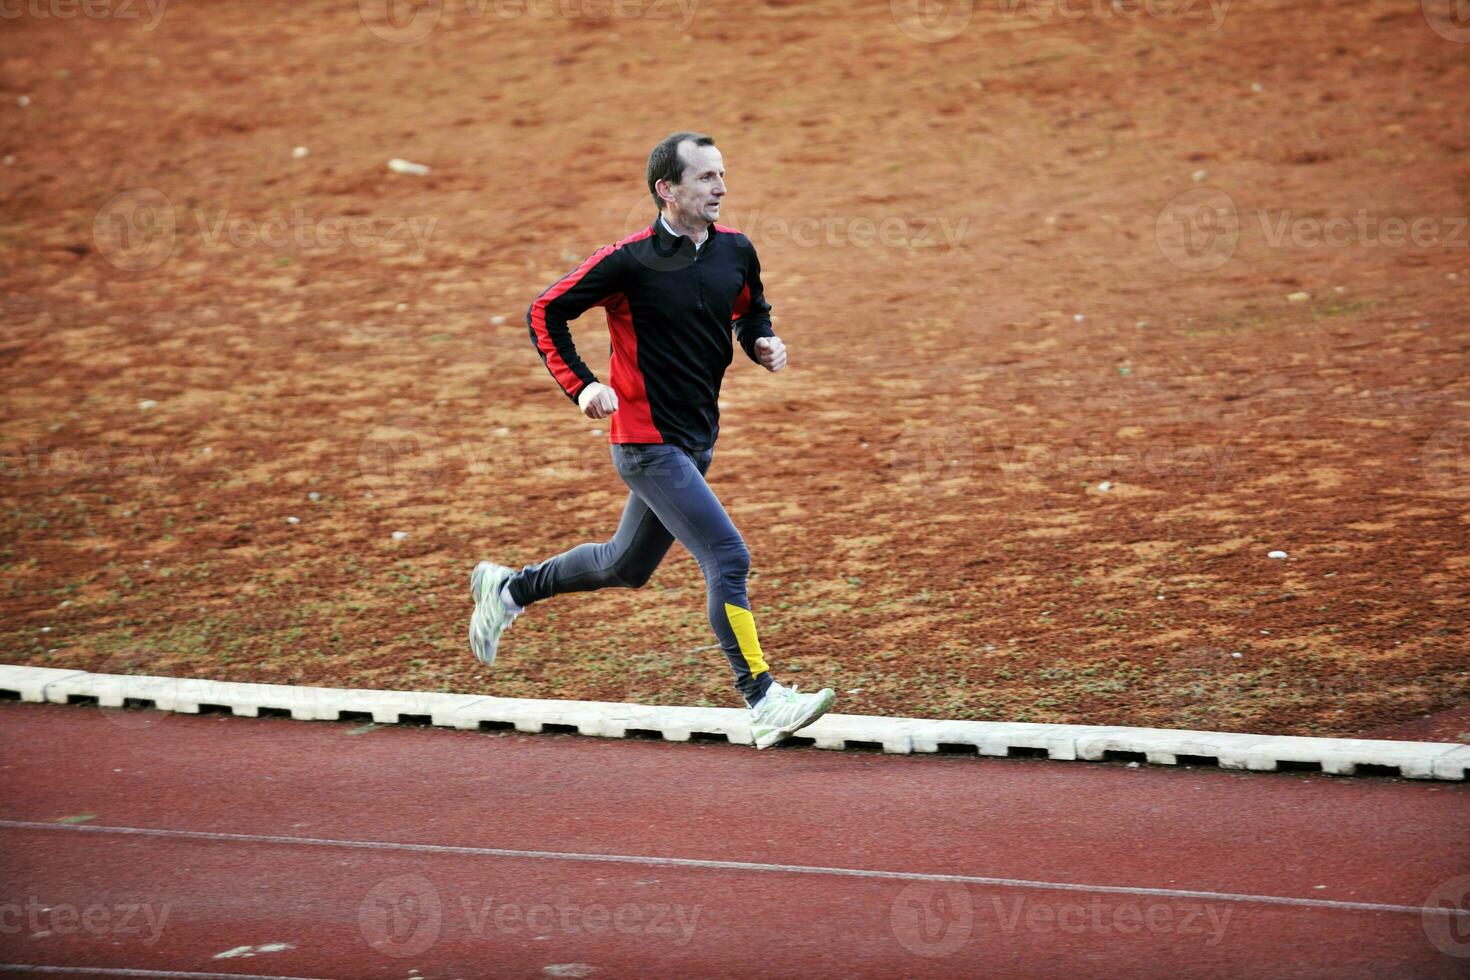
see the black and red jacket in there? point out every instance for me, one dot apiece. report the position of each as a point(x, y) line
point(670, 310)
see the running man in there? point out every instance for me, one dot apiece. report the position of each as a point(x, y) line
point(673, 292)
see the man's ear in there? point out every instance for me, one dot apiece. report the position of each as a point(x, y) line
point(664, 194)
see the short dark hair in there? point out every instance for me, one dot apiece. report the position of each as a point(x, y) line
point(664, 162)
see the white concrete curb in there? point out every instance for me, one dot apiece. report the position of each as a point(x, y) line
point(1262, 753)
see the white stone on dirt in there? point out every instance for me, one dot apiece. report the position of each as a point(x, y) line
point(313, 496)
point(147, 403)
point(1275, 554)
point(1105, 486)
point(1199, 176)
point(496, 320)
point(408, 167)
point(293, 520)
point(399, 535)
point(23, 101)
point(300, 153)
point(1298, 297)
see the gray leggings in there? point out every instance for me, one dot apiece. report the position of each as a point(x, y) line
point(668, 499)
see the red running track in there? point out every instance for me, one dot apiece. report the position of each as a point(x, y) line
point(148, 844)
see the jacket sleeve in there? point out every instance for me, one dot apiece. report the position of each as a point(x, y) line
point(752, 314)
point(592, 283)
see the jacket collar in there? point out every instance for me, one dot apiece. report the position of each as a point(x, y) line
point(668, 242)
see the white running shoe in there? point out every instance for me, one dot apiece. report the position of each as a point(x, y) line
point(784, 711)
point(490, 617)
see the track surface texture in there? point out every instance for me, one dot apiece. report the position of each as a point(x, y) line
point(136, 840)
point(1049, 405)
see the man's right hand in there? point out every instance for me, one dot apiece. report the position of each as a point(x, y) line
point(597, 400)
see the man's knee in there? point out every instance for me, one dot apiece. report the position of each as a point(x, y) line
point(732, 558)
point(633, 575)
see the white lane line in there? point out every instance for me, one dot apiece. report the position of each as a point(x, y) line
point(118, 971)
point(741, 866)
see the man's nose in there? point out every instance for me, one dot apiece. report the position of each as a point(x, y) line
point(719, 190)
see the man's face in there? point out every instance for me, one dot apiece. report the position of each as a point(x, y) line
point(696, 197)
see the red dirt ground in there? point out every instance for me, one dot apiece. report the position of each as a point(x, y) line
point(961, 239)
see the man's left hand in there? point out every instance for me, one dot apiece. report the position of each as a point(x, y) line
point(771, 353)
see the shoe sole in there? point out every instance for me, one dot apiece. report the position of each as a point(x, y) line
point(824, 701)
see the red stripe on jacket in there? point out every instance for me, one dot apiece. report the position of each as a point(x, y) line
point(633, 421)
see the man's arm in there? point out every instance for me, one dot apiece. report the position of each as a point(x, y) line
point(590, 284)
point(752, 313)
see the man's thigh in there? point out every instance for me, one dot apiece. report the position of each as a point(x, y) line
point(670, 483)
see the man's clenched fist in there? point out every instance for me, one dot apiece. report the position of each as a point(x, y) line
point(771, 352)
point(597, 400)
